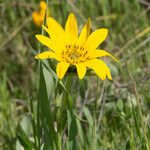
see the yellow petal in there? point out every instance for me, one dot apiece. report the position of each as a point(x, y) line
point(81, 70)
point(100, 68)
point(43, 12)
point(54, 27)
point(55, 31)
point(71, 29)
point(96, 38)
point(101, 53)
point(48, 54)
point(46, 29)
point(36, 19)
point(43, 5)
point(55, 36)
point(49, 43)
point(85, 32)
point(61, 69)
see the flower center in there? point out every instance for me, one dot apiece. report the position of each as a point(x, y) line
point(74, 54)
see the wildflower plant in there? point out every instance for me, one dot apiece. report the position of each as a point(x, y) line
point(69, 49)
point(40, 112)
point(38, 17)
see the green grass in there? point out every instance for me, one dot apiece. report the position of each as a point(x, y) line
point(37, 111)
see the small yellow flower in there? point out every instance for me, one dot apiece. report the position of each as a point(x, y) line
point(69, 49)
point(38, 17)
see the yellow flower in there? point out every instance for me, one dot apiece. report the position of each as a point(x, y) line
point(38, 17)
point(69, 49)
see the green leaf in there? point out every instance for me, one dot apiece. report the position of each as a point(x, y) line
point(120, 104)
point(24, 138)
point(72, 129)
point(88, 115)
point(82, 88)
point(45, 117)
point(80, 132)
point(50, 86)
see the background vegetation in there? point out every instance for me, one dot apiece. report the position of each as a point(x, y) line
point(36, 112)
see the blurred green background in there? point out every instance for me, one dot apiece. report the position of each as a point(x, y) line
point(124, 103)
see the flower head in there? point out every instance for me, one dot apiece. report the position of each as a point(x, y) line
point(69, 49)
point(38, 17)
